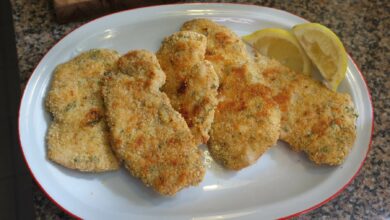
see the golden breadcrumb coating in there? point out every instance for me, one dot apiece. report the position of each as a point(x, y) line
point(246, 123)
point(191, 83)
point(315, 120)
point(247, 120)
point(78, 136)
point(224, 47)
point(151, 138)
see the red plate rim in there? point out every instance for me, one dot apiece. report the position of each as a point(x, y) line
point(209, 3)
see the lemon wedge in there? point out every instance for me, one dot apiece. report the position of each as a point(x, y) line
point(325, 50)
point(282, 46)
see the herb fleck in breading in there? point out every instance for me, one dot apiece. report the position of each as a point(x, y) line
point(78, 136)
point(315, 119)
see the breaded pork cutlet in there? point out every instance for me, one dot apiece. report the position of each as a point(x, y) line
point(247, 120)
point(315, 120)
point(78, 136)
point(246, 123)
point(191, 83)
point(151, 138)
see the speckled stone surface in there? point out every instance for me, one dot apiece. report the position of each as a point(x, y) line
point(363, 26)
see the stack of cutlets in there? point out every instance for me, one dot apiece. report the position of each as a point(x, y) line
point(202, 87)
point(147, 134)
point(247, 120)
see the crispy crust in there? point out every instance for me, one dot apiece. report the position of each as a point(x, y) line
point(151, 138)
point(247, 120)
point(78, 136)
point(224, 47)
point(191, 82)
point(315, 120)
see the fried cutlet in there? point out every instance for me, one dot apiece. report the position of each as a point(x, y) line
point(151, 138)
point(78, 135)
point(246, 123)
point(247, 120)
point(191, 83)
point(315, 120)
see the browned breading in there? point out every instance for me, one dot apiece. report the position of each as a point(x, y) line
point(246, 123)
point(224, 47)
point(191, 83)
point(78, 136)
point(177, 55)
point(151, 138)
point(247, 120)
point(315, 119)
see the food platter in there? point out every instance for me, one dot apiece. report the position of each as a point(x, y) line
point(281, 184)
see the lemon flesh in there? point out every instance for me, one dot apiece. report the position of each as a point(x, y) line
point(325, 50)
point(282, 46)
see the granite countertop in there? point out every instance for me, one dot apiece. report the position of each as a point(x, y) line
point(363, 26)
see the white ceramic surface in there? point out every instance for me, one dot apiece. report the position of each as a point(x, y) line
point(280, 184)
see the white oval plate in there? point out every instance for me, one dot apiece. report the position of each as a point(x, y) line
point(282, 183)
